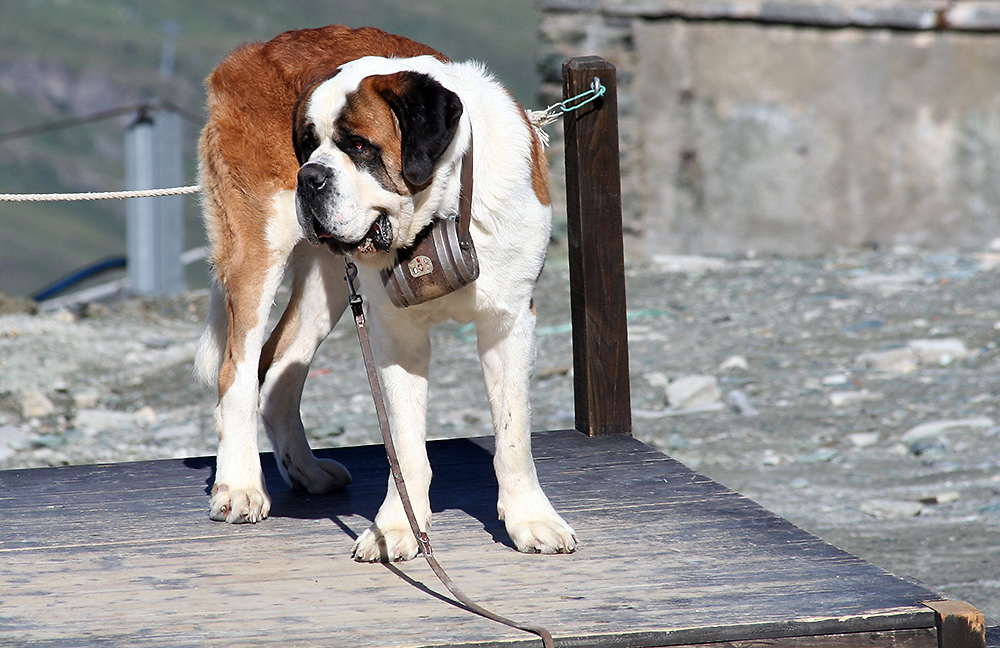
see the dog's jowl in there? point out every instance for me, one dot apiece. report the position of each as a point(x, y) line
point(330, 142)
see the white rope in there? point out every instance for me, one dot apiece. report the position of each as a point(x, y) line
point(539, 119)
point(100, 195)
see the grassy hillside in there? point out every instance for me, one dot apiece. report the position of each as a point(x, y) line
point(62, 59)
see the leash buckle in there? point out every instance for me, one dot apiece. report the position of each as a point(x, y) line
point(425, 544)
point(355, 300)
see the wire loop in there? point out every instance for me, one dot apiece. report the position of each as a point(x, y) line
point(542, 118)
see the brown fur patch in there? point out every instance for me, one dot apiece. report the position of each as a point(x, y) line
point(539, 164)
point(367, 115)
point(539, 169)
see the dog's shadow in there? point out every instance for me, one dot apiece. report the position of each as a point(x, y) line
point(463, 480)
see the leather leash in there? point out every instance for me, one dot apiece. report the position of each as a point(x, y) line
point(423, 541)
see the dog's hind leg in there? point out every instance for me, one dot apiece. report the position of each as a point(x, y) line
point(507, 351)
point(318, 299)
point(247, 174)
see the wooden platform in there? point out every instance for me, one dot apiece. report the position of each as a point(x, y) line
point(126, 555)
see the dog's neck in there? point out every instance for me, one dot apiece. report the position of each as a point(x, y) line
point(442, 258)
point(451, 203)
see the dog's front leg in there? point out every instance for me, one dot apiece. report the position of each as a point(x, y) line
point(507, 351)
point(239, 494)
point(402, 352)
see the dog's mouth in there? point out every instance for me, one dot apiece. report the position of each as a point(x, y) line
point(378, 239)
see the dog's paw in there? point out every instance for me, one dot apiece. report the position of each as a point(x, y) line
point(547, 536)
point(385, 545)
point(316, 476)
point(537, 528)
point(238, 506)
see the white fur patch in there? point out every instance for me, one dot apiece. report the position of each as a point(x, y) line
point(283, 230)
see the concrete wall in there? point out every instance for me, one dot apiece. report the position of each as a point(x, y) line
point(799, 126)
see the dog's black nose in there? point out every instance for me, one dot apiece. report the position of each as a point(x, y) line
point(314, 178)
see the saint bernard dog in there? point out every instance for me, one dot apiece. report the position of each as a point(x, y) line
point(334, 141)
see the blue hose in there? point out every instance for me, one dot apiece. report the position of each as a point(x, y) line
point(77, 276)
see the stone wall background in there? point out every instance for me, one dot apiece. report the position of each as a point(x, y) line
point(794, 127)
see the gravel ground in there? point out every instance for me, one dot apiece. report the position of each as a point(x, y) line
point(855, 394)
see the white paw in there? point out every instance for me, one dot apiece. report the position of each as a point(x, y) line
point(385, 545)
point(546, 536)
point(535, 527)
point(316, 476)
point(238, 506)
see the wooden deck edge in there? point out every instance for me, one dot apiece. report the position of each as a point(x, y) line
point(904, 638)
point(912, 638)
point(959, 624)
point(909, 628)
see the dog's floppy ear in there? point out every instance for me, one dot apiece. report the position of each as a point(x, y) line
point(428, 115)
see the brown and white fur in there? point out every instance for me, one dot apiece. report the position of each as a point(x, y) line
point(379, 130)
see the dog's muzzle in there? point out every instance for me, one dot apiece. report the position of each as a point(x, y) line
point(312, 196)
point(315, 195)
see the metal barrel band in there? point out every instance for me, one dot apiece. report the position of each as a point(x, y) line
point(423, 541)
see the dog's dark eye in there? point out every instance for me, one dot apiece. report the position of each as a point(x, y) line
point(308, 142)
point(311, 139)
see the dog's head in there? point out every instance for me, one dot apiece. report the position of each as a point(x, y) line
point(369, 141)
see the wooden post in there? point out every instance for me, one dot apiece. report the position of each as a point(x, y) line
point(596, 253)
point(959, 625)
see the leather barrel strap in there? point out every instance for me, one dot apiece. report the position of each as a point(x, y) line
point(423, 541)
point(442, 257)
point(465, 199)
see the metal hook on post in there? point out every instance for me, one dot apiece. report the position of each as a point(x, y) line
point(542, 118)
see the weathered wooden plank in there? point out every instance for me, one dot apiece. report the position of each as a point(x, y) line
point(596, 253)
point(667, 557)
point(895, 639)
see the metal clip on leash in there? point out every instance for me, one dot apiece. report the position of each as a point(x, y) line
point(357, 309)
